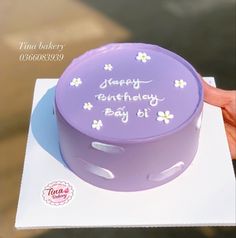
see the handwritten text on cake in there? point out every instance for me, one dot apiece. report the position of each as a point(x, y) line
point(121, 112)
point(126, 97)
point(136, 83)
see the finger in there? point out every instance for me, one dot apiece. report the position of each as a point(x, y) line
point(229, 115)
point(215, 96)
point(231, 136)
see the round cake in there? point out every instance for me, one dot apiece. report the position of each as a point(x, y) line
point(128, 116)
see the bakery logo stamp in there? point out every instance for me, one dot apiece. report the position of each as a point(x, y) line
point(57, 193)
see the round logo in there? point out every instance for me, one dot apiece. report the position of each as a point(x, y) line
point(57, 193)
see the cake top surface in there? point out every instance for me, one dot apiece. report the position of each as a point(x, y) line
point(128, 93)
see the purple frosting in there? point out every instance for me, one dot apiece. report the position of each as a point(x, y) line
point(128, 93)
point(129, 116)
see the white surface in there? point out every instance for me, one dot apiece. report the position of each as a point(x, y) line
point(203, 195)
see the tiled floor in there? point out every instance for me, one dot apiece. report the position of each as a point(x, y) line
point(202, 31)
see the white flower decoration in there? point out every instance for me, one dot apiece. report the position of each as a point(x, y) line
point(180, 83)
point(165, 116)
point(76, 82)
point(108, 67)
point(87, 106)
point(142, 56)
point(97, 124)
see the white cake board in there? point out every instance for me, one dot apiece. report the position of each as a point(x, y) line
point(204, 195)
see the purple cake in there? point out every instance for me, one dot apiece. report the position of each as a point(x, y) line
point(129, 116)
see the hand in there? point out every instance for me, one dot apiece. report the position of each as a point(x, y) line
point(227, 101)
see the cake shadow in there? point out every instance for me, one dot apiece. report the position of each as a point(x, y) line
point(44, 125)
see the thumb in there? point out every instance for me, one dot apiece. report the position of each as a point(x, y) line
point(215, 96)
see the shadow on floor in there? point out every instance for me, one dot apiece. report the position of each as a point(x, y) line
point(228, 232)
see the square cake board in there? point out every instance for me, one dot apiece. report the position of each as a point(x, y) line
point(204, 195)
